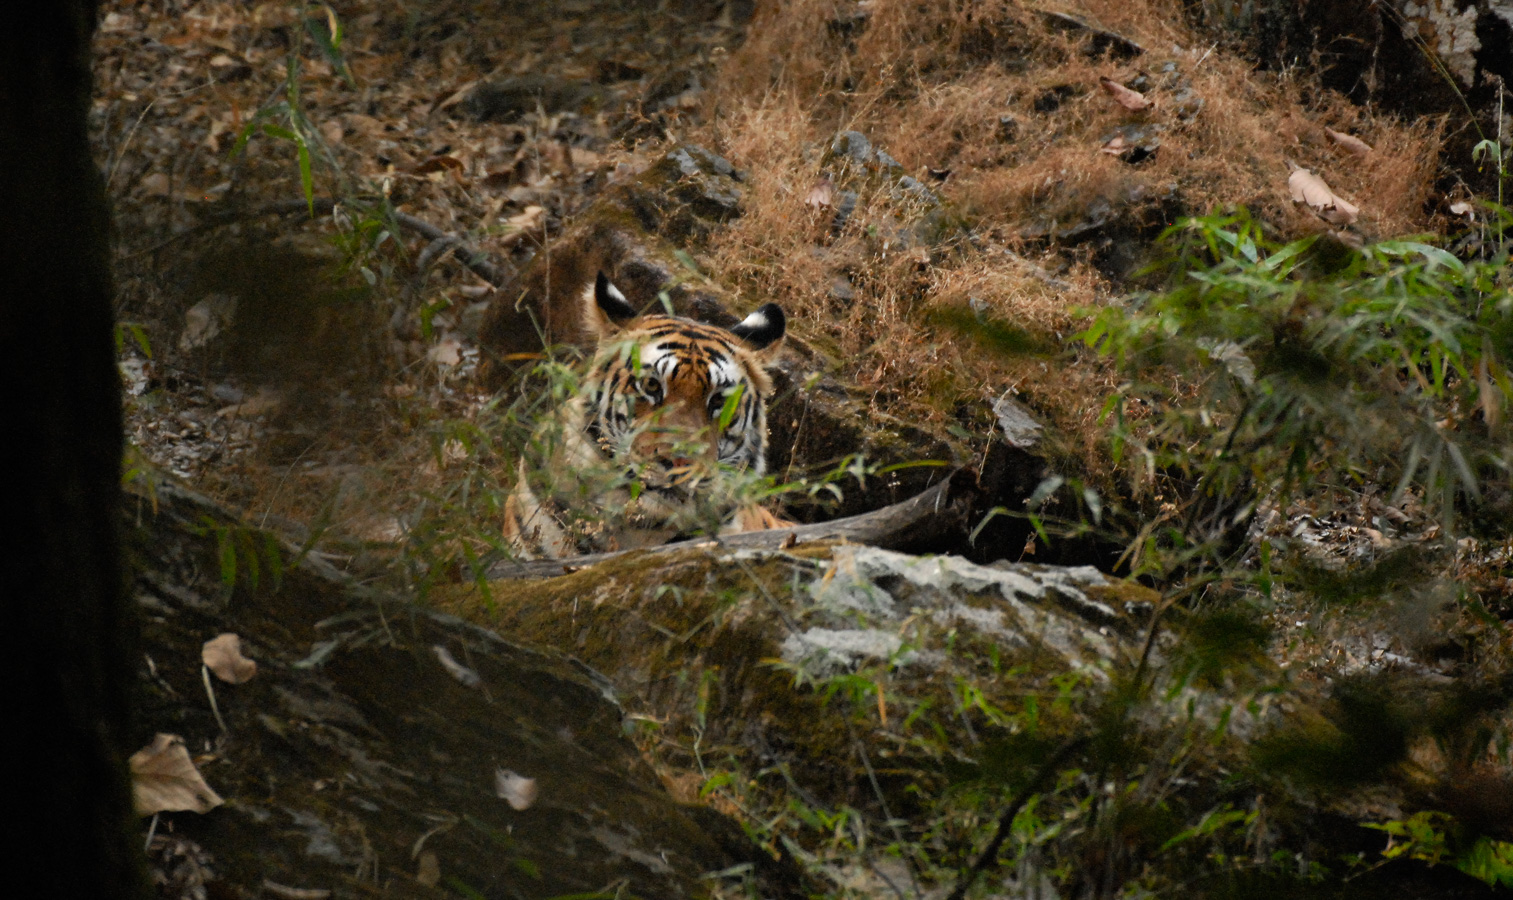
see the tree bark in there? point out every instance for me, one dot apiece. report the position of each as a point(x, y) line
point(65, 656)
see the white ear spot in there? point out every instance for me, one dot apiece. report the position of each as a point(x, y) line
point(614, 293)
point(763, 327)
point(611, 301)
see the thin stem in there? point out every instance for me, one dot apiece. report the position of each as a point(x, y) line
point(210, 692)
point(989, 855)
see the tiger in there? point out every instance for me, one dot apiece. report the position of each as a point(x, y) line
point(642, 452)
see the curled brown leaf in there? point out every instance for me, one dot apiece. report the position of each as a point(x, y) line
point(1348, 142)
point(516, 790)
point(822, 195)
point(1134, 101)
point(1306, 187)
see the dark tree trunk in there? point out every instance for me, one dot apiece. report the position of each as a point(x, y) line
point(65, 644)
point(1413, 59)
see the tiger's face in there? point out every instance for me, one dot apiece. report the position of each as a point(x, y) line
point(666, 404)
point(677, 398)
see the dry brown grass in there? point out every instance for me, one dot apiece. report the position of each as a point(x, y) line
point(928, 82)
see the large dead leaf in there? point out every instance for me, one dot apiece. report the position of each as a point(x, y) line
point(1491, 396)
point(447, 352)
point(1134, 101)
point(156, 184)
point(453, 98)
point(223, 656)
point(530, 222)
point(265, 401)
point(164, 779)
point(1309, 188)
point(428, 869)
point(584, 160)
point(118, 23)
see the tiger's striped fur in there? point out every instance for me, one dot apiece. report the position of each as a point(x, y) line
point(636, 457)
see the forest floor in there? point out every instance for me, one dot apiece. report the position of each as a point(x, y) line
point(316, 368)
point(314, 410)
point(318, 372)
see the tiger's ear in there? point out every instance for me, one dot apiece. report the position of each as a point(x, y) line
point(605, 309)
point(763, 329)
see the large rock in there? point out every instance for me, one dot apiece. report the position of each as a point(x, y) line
point(725, 643)
point(357, 748)
point(798, 673)
point(362, 760)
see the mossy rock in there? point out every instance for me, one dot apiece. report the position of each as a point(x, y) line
point(741, 647)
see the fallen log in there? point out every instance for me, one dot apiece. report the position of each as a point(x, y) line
point(935, 519)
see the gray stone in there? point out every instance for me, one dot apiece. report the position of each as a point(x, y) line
point(1019, 427)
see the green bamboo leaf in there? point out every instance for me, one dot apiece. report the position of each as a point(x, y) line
point(732, 401)
point(306, 177)
point(1289, 256)
point(327, 37)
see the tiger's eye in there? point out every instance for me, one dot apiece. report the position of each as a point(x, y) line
point(650, 387)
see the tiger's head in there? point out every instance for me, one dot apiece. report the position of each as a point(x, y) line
point(674, 397)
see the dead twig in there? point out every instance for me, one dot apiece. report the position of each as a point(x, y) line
point(476, 260)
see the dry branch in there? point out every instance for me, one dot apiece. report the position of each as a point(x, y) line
point(931, 519)
point(476, 260)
